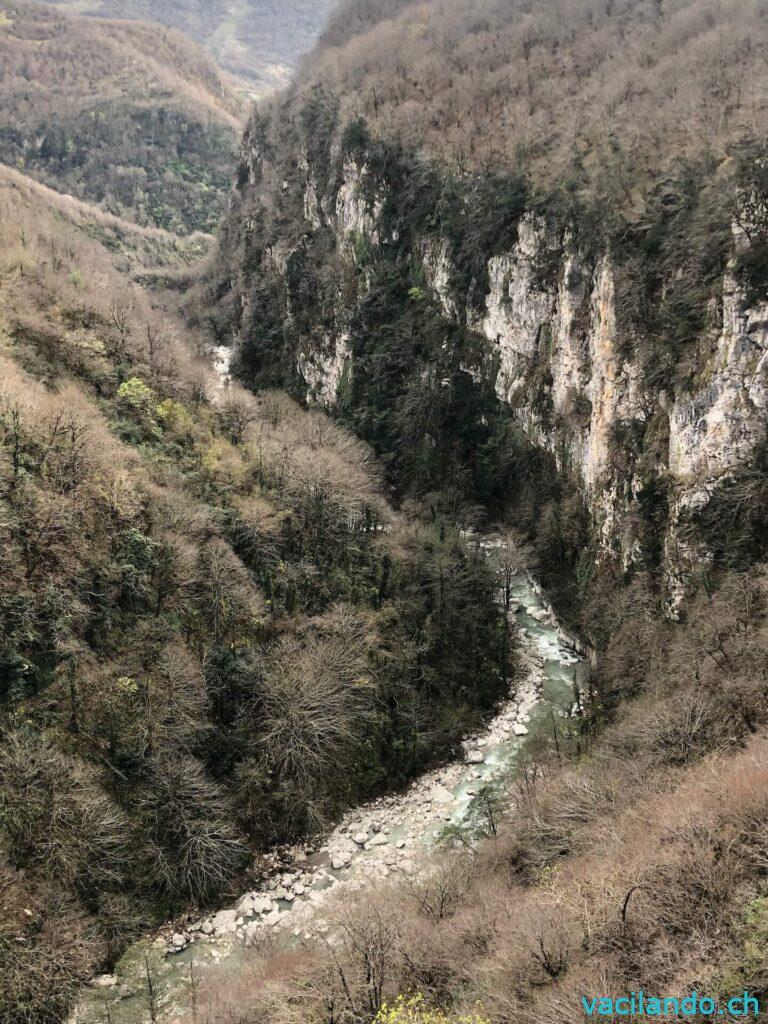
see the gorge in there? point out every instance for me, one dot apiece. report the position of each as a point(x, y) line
point(301, 507)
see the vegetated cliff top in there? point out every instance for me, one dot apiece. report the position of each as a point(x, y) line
point(260, 41)
point(128, 115)
point(562, 86)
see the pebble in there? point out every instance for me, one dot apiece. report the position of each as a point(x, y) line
point(104, 981)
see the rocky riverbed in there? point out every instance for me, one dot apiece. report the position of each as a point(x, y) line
point(388, 836)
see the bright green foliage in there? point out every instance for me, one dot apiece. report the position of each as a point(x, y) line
point(746, 970)
point(136, 394)
point(175, 418)
point(413, 1010)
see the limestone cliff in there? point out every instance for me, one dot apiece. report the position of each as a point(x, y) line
point(545, 334)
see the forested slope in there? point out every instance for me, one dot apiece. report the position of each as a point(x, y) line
point(600, 93)
point(125, 115)
point(215, 633)
point(259, 41)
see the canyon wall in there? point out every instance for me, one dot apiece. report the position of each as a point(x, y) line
point(548, 337)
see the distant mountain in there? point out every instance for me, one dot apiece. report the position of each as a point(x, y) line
point(259, 41)
point(130, 116)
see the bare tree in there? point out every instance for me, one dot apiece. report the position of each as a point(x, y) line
point(514, 557)
point(317, 693)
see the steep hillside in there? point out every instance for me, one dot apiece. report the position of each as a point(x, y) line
point(594, 294)
point(259, 41)
point(134, 250)
point(209, 641)
point(125, 115)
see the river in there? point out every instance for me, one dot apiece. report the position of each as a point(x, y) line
point(390, 835)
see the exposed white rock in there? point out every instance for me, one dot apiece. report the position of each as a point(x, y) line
point(718, 426)
point(439, 270)
point(225, 922)
point(516, 311)
point(323, 370)
point(104, 981)
point(245, 906)
point(356, 214)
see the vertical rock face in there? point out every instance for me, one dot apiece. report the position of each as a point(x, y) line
point(717, 427)
point(567, 337)
point(551, 344)
point(356, 216)
point(562, 369)
point(438, 269)
point(323, 370)
point(592, 389)
point(517, 313)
